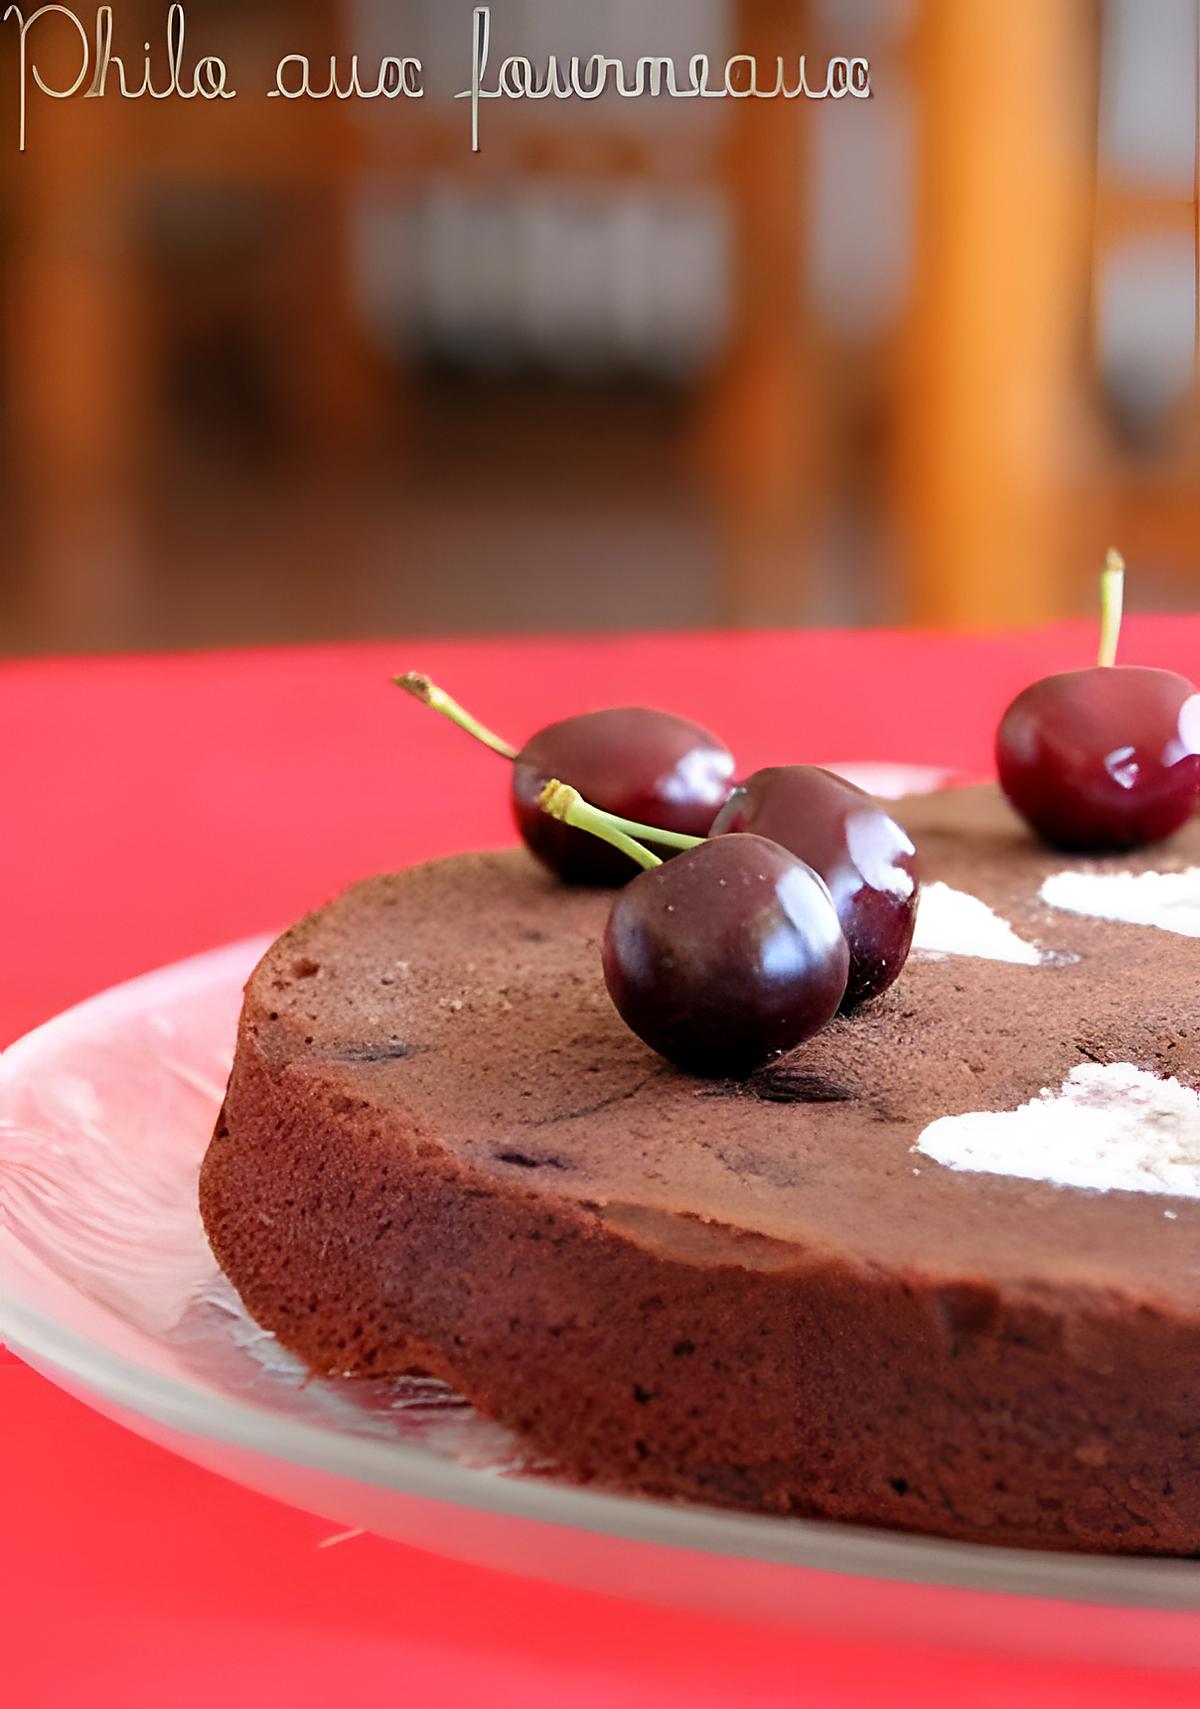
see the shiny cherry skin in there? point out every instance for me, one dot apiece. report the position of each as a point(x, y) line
point(726, 956)
point(648, 766)
point(865, 858)
point(1101, 760)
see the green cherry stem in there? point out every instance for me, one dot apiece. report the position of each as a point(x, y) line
point(1112, 605)
point(429, 694)
point(650, 833)
point(562, 802)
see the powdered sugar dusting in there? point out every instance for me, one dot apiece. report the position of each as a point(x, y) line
point(1112, 1128)
point(951, 922)
point(1168, 900)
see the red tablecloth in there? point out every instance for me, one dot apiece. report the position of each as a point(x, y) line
point(156, 806)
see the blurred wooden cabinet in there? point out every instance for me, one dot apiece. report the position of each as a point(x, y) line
point(1012, 474)
point(996, 481)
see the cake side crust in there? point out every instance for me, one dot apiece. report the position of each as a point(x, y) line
point(379, 1206)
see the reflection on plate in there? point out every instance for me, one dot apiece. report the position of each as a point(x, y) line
point(109, 1287)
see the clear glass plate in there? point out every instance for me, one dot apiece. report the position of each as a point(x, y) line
point(109, 1288)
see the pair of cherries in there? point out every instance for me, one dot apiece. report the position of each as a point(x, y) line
point(779, 901)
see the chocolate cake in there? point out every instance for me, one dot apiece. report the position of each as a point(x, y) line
point(442, 1150)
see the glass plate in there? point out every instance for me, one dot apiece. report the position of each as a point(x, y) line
point(109, 1288)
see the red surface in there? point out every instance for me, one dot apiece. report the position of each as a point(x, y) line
point(158, 806)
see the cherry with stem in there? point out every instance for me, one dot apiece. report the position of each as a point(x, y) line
point(723, 957)
point(665, 774)
point(1105, 759)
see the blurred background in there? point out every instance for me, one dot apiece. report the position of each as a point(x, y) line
point(276, 371)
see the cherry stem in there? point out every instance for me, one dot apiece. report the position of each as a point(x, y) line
point(1112, 605)
point(651, 833)
point(562, 802)
point(429, 694)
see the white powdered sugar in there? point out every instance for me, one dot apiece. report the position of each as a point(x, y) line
point(1168, 900)
point(1113, 1127)
point(951, 922)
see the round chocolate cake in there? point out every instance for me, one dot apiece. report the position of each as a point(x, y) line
point(810, 1292)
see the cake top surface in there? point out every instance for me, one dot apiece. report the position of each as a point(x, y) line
point(462, 1004)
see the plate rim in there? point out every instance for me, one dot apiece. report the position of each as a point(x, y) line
point(1132, 1583)
point(1162, 1584)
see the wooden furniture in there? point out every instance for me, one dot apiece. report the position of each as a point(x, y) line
point(974, 442)
point(1010, 479)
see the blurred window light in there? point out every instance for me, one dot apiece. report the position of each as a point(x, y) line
point(570, 278)
point(390, 26)
point(630, 271)
point(1148, 91)
point(1145, 326)
point(862, 235)
point(865, 26)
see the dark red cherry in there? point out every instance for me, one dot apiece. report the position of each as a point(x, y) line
point(651, 767)
point(865, 858)
point(726, 956)
point(1104, 759)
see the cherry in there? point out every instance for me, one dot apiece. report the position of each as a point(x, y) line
point(727, 956)
point(670, 775)
point(865, 858)
point(662, 771)
point(1105, 759)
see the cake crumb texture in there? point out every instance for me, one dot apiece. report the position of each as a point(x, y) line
point(441, 1150)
